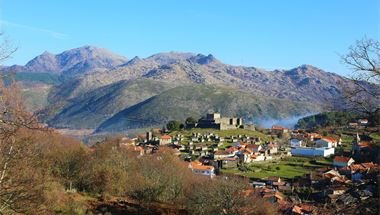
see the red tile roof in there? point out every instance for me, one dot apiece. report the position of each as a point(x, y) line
point(307, 208)
point(279, 183)
point(165, 137)
point(284, 205)
point(341, 159)
point(221, 152)
point(199, 166)
point(274, 178)
point(231, 149)
point(253, 146)
point(329, 139)
point(297, 210)
point(363, 144)
point(278, 127)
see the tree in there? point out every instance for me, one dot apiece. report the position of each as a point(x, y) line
point(21, 175)
point(190, 121)
point(363, 58)
point(6, 49)
point(173, 125)
point(227, 195)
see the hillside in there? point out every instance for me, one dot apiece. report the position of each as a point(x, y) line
point(92, 108)
point(327, 119)
point(35, 87)
point(196, 100)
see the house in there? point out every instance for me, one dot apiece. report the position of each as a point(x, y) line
point(255, 148)
point(257, 157)
point(363, 121)
point(273, 196)
point(285, 188)
point(334, 176)
point(232, 150)
point(361, 170)
point(245, 154)
point(362, 148)
point(225, 163)
point(285, 206)
point(341, 161)
point(337, 190)
point(296, 143)
point(165, 139)
point(276, 129)
point(273, 179)
point(222, 154)
point(303, 208)
point(272, 148)
point(357, 176)
point(258, 184)
point(277, 184)
point(353, 124)
point(200, 169)
point(312, 136)
point(312, 152)
point(327, 142)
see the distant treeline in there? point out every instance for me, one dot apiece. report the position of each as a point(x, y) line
point(327, 119)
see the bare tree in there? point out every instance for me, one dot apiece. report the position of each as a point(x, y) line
point(19, 179)
point(363, 58)
point(6, 49)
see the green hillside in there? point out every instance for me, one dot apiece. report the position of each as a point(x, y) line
point(35, 97)
point(32, 78)
point(35, 87)
point(196, 100)
point(92, 108)
point(327, 119)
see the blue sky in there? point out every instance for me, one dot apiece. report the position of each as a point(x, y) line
point(268, 34)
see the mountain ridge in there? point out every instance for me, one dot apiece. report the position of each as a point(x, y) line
point(88, 75)
point(72, 62)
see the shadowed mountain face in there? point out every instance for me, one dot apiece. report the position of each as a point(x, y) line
point(197, 100)
point(100, 88)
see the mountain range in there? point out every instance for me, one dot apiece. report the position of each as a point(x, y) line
point(97, 89)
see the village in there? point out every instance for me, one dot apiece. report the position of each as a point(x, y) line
point(302, 172)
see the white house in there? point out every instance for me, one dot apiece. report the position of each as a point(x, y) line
point(257, 157)
point(363, 121)
point(165, 139)
point(200, 169)
point(294, 143)
point(255, 148)
point(327, 142)
point(341, 161)
point(312, 152)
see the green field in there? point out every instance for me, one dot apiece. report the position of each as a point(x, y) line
point(347, 142)
point(375, 137)
point(286, 168)
point(222, 133)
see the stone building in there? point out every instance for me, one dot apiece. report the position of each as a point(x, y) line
point(214, 120)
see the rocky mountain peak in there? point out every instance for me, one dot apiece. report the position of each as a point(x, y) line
point(170, 57)
point(203, 59)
